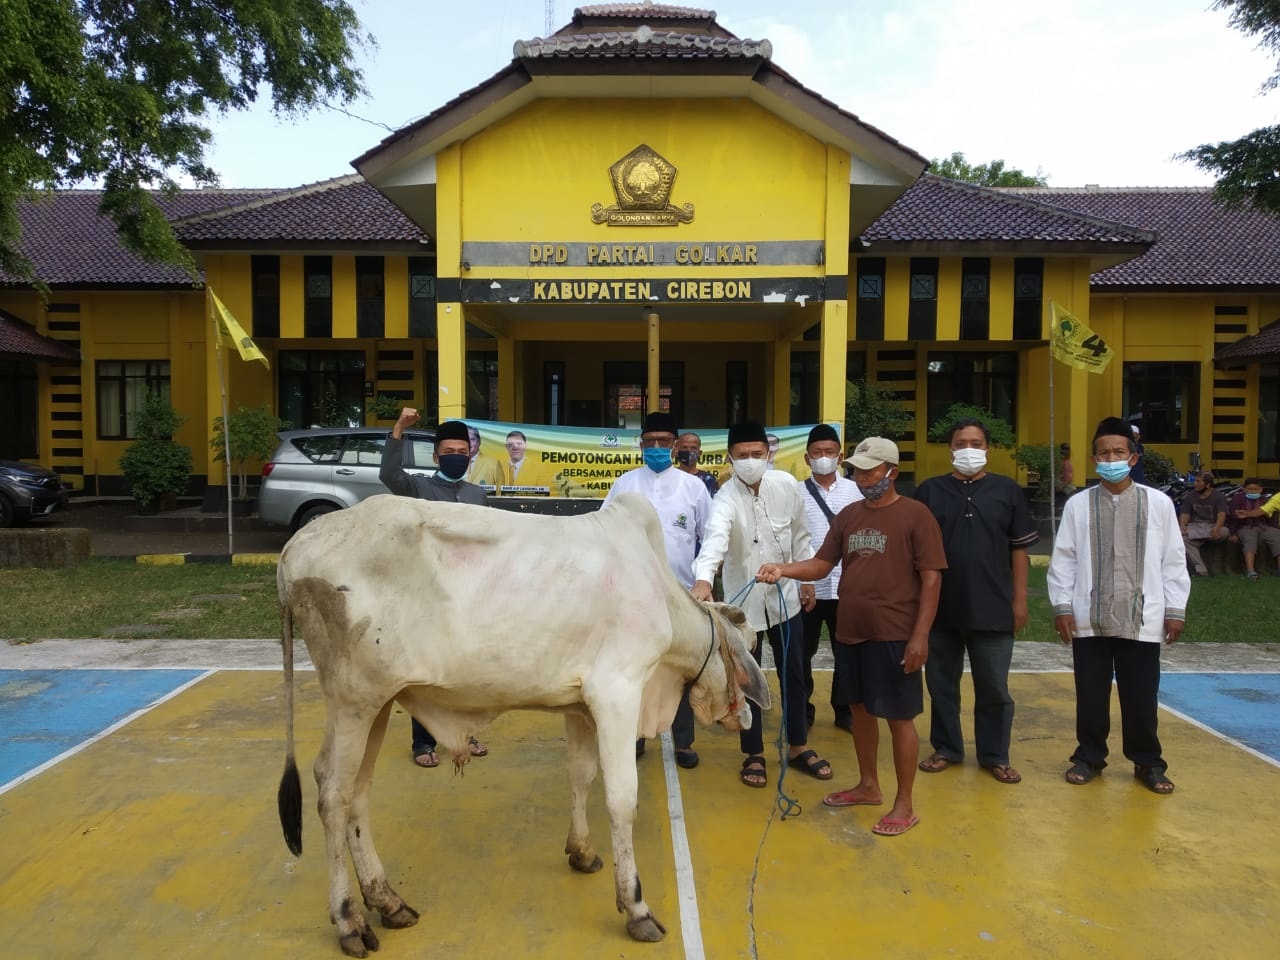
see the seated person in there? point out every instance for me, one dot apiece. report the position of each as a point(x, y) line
point(1250, 521)
point(1203, 518)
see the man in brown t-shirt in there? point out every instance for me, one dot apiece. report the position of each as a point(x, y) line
point(891, 551)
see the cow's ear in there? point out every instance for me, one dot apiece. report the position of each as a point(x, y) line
point(749, 677)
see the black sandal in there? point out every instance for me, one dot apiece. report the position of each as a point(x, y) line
point(753, 767)
point(1081, 773)
point(812, 764)
point(1153, 779)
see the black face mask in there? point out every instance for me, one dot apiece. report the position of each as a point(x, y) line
point(453, 466)
point(687, 457)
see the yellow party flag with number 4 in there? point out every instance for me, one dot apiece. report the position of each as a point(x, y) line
point(231, 333)
point(1075, 344)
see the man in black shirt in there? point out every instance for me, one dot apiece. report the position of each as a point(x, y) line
point(986, 530)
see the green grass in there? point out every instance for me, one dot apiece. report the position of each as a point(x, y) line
point(197, 601)
point(106, 598)
point(1222, 609)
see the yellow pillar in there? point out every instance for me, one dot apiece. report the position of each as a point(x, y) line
point(451, 337)
point(832, 362)
point(654, 402)
point(835, 310)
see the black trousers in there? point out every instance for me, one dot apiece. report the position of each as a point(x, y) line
point(824, 611)
point(790, 664)
point(1135, 664)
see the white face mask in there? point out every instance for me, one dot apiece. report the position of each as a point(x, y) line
point(968, 460)
point(822, 466)
point(750, 471)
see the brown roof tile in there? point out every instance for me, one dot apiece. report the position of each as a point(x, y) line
point(343, 210)
point(1202, 244)
point(19, 341)
point(642, 43)
point(937, 210)
point(1262, 346)
point(71, 244)
point(637, 11)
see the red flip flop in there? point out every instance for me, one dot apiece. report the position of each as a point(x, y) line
point(891, 827)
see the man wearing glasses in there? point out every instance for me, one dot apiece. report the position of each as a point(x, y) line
point(683, 505)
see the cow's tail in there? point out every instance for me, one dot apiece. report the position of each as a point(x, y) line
point(289, 796)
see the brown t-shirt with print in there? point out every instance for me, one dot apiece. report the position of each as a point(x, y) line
point(882, 548)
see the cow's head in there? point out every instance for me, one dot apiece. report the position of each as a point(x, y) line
point(731, 675)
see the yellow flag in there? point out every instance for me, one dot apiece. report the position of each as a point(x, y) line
point(1075, 344)
point(233, 334)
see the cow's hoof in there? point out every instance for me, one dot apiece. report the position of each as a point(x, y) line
point(406, 916)
point(581, 863)
point(359, 943)
point(646, 929)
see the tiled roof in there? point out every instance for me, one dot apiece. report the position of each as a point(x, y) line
point(937, 210)
point(21, 341)
point(1201, 242)
point(71, 244)
point(642, 43)
point(654, 11)
point(1263, 345)
point(343, 210)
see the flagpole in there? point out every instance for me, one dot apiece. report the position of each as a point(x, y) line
point(1053, 479)
point(226, 426)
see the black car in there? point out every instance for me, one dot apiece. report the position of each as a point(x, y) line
point(28, 491)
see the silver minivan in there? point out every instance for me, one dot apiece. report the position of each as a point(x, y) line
point(317, 471)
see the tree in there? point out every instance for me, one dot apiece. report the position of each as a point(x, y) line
point(872, 412)
point(251, 435)
point(1247, 169)
point(992, 174)
point(117, 92)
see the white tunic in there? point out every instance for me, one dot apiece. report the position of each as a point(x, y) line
point(1165, 581)
point(745, 531)
point(683, 506)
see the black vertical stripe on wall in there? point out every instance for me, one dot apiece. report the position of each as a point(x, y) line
point(317, 315)
point(922, 308)
point(975, 298)
point(869, 318)
point(266, 296)
point(1028, 298)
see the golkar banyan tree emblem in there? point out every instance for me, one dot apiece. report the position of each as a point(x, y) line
point(642, 182)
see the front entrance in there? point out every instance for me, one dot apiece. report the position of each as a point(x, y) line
point(626, 388)
point(19, 398)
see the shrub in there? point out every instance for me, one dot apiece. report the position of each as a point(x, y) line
point(1159, 469)
point(1040, 472)
point(872, 412)
point(251, 433)
point(1002, 433)
point(153, 464)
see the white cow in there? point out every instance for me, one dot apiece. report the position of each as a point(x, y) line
point(410, 601)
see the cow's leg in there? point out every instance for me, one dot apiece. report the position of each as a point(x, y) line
point(582, 772)
point(616, 739)
point(378, 894)
point(337, 765)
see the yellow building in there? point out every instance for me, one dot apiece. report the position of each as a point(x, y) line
point(644, 210)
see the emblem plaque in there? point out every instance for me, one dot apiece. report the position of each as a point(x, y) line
point(642, 182)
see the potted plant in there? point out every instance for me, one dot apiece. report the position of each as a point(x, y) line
point(250, 432)
point(1041, 469)
point(156, 468)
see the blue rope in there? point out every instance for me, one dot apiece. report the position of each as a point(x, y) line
point(787, 805)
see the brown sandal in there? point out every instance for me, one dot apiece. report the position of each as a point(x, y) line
point(936, 763)
point(1005, 773)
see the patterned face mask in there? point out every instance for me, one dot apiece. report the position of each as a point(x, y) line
point(877, 489)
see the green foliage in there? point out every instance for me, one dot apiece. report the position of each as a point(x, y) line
point(872, 412)
point(153, 464)
point(251, 434)
point(388, 408)
point(120, 93)
point(1157, 467)
point(336, 412)
point(1246, 168)
point(1002, 433)
point(993, 174)
point(1040, 471)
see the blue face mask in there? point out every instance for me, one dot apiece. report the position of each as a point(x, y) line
point(1253, 496)
point(657, 459)
point(453, 466)
point(1113, 471)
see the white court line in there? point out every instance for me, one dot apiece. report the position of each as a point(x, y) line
point(1222, 736)
point(686, 890)
point(36, 771)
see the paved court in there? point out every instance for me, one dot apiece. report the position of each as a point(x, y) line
point(160, 838)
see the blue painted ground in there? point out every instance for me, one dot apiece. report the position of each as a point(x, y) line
point(46, 712)
point(1243, 706)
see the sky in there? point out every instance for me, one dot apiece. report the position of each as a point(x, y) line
point(1080, 91)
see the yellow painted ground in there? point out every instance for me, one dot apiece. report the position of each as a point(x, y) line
point(162, 841)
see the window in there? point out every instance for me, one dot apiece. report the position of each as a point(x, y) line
point(422, 298)
point(1028, 305)
point(735, 391)
point(482, 385)
point(805, 379)
point(988, 380)
point(19, 398)
point(266, 297)
point(317, 309)
point(1269, 412)
point(122, 386)
point(625, 388)
point(371, 297)
point(553, 405)
point(321, 388)
point(1164, 400)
